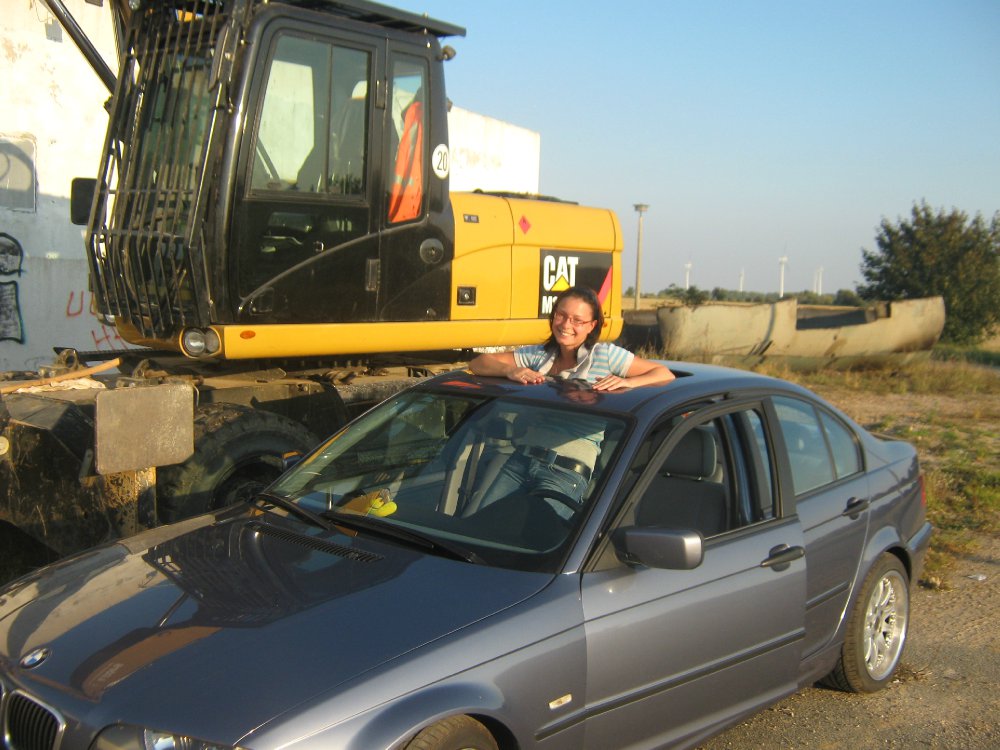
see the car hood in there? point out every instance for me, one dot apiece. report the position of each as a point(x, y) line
point(241, 619)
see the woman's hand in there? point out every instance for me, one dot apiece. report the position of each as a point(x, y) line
point(524, 375)
point(502, 365)
point(611, 383)
point(641, 372)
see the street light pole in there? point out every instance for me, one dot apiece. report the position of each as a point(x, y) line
point(640, 208)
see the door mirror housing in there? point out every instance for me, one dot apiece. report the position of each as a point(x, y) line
point(81, 197)
point(670, 549)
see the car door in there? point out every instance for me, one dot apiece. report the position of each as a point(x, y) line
point(832, 499)
point(672, 654)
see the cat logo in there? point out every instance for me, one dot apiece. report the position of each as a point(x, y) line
point(558, 272)
point(561, 269)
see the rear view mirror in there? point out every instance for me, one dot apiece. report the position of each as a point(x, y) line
point(81, 197)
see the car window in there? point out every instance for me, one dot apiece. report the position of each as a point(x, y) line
point(717, 478)
point(509, 480)
point(808, 453)
point(846, 456)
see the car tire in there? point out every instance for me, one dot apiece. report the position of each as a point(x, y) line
point(237, 452)
point(454, 733)
point(876, 630)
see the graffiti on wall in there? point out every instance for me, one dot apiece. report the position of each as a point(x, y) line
point(11, 260)
point(103, 337)
point(78, 303)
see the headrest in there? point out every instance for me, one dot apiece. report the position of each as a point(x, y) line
point(693, 457)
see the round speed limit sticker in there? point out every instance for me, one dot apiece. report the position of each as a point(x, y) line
point(440, 161)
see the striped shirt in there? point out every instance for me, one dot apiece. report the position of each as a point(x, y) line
point(591, 365)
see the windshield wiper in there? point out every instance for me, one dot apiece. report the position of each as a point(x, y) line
point(399, 534)
point(292, 507)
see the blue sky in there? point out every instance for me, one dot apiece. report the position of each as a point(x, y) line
point(753, 130)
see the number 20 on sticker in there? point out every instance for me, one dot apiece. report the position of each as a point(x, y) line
point(440, 160)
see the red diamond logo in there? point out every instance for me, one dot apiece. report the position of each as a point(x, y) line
point(524, 224)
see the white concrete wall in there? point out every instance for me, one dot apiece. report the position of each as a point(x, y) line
point(489, 154)
point(52, 101)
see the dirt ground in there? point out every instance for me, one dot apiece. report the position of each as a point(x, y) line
point(946, 692)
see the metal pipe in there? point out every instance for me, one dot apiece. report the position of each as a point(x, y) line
point(641, 208)
point(89, 51)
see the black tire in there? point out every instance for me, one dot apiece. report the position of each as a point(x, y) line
point(237, 452)
point(454, 733)
point(876, 630)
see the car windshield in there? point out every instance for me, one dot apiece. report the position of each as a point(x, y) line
point(504, 480)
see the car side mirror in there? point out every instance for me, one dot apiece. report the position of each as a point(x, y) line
point(81, 196)
point(670, 549)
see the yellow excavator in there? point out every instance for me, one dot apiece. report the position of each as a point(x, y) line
point(271, 222)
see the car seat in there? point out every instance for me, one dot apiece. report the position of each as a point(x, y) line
point(682, 495)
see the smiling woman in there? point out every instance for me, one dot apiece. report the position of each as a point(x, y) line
point(573, 351)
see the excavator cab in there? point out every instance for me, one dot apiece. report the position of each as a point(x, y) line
point(275, 184)
point(270, 163)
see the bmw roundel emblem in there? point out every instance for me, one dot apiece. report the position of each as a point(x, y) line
point(33, 658)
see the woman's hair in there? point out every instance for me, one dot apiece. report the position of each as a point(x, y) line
point(587, 295)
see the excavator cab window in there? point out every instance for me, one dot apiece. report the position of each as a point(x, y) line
point(408, 132)
point(312, 132)
point(308, 186)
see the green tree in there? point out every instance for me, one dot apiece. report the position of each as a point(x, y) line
point(722, 295)
point(811, 298)
point(847, 298)
point(939, 253)
point(694, 296)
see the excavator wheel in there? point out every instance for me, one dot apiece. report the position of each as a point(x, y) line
point(237, 452)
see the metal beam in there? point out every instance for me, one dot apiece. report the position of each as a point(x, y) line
point(82, 41)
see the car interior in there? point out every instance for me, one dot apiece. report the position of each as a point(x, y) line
point(686, 492)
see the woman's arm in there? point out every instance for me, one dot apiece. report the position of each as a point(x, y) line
point(640, 372)
point(502, 365)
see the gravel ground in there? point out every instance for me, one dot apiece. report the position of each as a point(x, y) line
point(946, 694)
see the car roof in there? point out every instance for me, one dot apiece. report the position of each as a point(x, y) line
point(693, 381)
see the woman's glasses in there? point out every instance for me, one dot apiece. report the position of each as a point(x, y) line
point(560, 317)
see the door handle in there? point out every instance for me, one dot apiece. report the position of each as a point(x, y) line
point(780, 557)
point(855, 507)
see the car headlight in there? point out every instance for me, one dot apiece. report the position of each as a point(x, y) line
point(125, 737)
